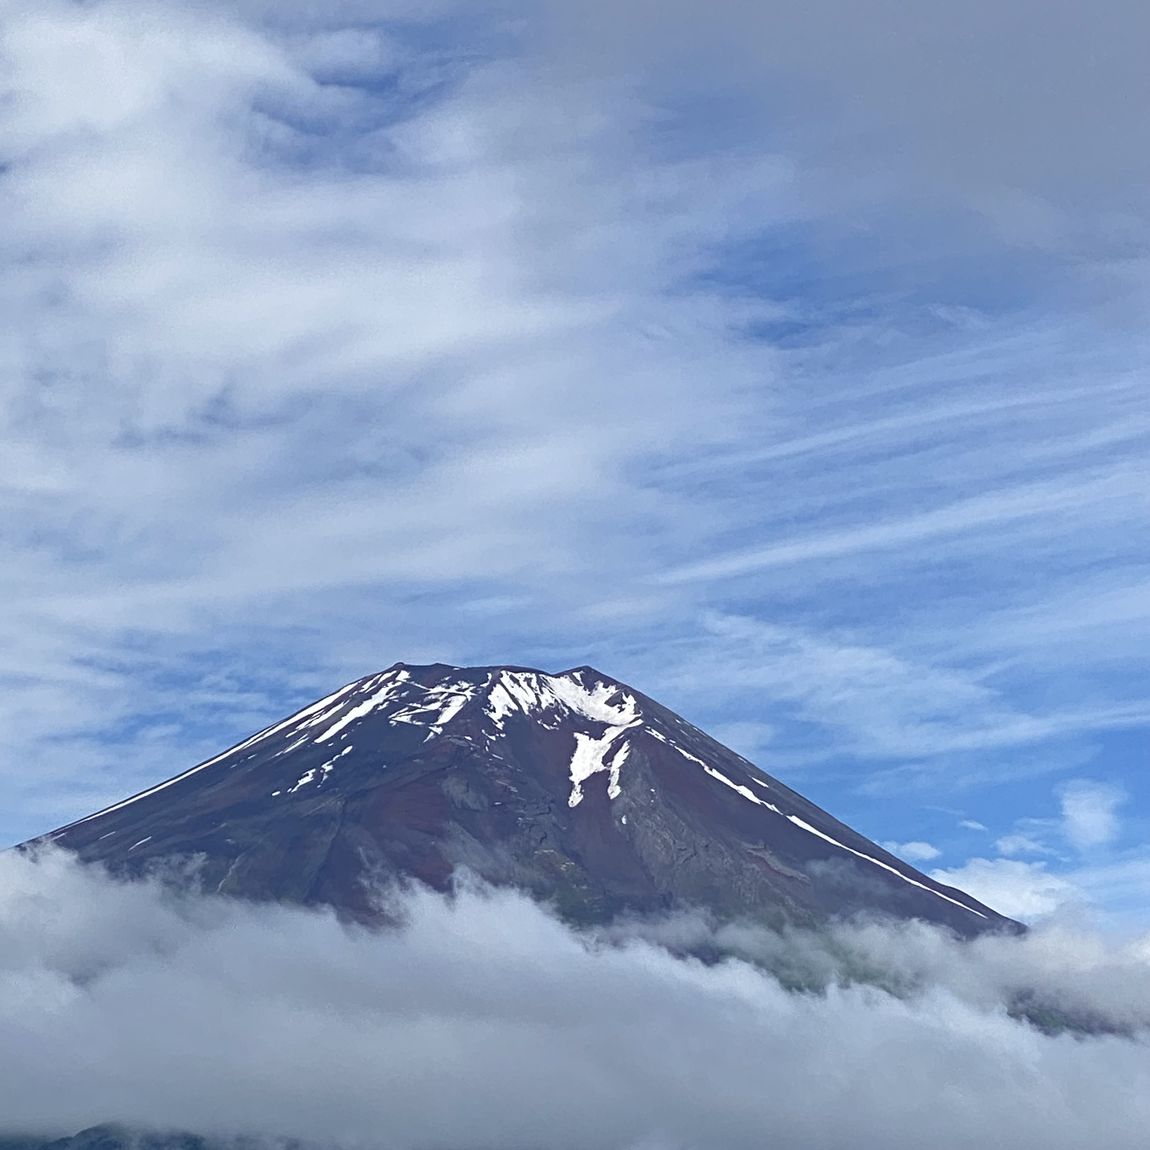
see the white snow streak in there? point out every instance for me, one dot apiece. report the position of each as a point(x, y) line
point(267, 732)
point(307, 777)
point(802, 824)
point(686, 754)
point(438, 706)
point(878, 862)
point(614, 766)
point(746, 792)
point(326, 767)
point(377, 699)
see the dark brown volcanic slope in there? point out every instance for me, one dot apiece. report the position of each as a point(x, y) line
point(572, 786)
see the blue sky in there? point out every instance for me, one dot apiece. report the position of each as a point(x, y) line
point(787, 362)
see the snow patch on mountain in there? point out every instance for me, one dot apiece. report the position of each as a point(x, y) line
point(436, 707)
point(602, 703)
point(377, 699)
point(533, 693)
point(591, 757)
point(318, 774)
point(308, 776)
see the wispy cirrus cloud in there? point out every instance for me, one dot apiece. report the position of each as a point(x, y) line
point(291, 325)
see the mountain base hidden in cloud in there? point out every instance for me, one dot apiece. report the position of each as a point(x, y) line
point(466, 907)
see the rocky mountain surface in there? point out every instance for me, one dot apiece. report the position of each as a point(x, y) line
point(572, 786)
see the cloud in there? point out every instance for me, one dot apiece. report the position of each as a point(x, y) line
point(485, 1022)
point(866, 699)
point(972, 825)
point(1090, 813)
point(985, 512)
point(299, 319)
point(970, 109)
point(1020, 843)
point(1110, 884)
point(913, 851)
point(1022, 890)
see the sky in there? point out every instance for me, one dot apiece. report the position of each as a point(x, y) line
point(787, 362)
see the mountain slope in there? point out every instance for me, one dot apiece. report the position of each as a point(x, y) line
point(572, 786)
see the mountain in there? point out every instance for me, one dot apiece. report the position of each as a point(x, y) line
point(572, 786)
point(115, 1137)
point(111, 1138)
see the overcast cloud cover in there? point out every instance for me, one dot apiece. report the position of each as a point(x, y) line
point(785, 360)
point(485, 1022)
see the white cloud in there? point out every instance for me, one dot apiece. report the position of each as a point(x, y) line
point(1020, 843)
point(1022, 890)
point(872, 701)
point(295, 1026)
point(1120, 887)
point(913, 851)
point(277, 349)
point(962, 109)
point(972, 825)
point(984, 512)
point(1090, 813)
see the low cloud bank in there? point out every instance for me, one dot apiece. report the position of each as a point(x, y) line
point(485, 1022)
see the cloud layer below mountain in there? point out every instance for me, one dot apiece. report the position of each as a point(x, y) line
point(485, 1022)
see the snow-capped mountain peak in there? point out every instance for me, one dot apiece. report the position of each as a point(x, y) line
point(572, 784)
